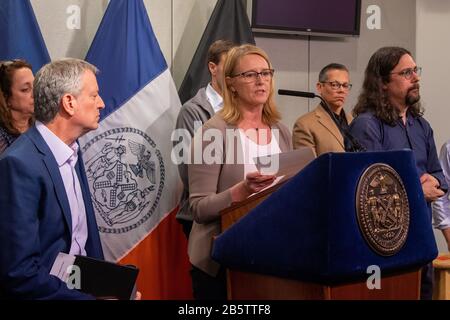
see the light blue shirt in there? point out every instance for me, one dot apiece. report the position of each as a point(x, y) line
point(214, 98)
point(441, 207)
point(66, 158)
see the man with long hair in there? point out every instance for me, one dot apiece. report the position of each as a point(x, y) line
point(389, 116)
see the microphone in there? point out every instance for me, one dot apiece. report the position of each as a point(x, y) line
point(350, 142)
point(297, 93)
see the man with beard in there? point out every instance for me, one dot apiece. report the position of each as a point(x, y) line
point(389, 117)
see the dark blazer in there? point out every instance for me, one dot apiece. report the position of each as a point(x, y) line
point(35, 221)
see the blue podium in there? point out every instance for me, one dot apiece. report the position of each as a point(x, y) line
point(307, 239)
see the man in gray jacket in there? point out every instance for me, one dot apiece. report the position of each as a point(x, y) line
point(196, 111)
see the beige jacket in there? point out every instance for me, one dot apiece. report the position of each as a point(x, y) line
point(209, 187)
point(317, 130)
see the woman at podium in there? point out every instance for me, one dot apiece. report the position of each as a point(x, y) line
point(222, 169)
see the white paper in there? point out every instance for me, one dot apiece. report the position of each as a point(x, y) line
point(286, 163)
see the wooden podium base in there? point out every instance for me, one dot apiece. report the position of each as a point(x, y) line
point(251, 286)
point(442, 277)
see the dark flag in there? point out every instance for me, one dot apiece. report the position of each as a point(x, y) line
point(20, 34)
point(228, 21)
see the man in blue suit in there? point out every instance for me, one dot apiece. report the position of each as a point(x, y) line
point(45, 204)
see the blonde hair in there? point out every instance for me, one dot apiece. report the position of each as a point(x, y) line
point(230, 111)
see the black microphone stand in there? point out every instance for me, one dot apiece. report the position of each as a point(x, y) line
point(353, 145)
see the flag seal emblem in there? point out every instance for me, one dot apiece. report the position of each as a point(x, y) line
point(126, 175)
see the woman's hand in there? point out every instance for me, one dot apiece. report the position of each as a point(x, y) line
point(254, 182)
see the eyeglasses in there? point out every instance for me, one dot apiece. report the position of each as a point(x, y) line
point(337, 85)
point(408, 73)
point(252, 76)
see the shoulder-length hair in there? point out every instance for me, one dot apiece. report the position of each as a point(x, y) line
point(7, 70)
point(373, 97)
point(230, 111)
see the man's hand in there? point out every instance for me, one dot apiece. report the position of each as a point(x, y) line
point(430, 187)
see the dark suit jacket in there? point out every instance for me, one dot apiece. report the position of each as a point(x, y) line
point(35, 221)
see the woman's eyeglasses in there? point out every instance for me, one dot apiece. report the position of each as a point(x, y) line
point(252, 76)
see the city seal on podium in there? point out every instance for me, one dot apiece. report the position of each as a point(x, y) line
point(382, 209)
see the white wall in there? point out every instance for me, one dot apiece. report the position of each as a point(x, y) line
point(60, 40)
point(190, 18)
point(433, 47)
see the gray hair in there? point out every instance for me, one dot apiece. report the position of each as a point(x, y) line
point(53, 81)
